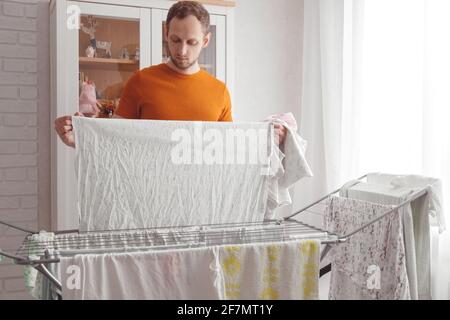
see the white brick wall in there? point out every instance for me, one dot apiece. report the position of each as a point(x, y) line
point(18, 133)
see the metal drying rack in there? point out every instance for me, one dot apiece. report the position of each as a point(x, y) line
point(40, 253)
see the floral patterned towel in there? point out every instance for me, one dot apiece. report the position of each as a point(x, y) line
point(371, 264)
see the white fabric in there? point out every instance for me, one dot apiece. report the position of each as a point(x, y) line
point(371, 264)
point(179, 274)
point(416, 182)
point(127, 179)
point(278, 270)
point(293, 166)
point(416, 228)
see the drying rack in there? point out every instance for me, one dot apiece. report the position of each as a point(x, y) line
point(38, 254)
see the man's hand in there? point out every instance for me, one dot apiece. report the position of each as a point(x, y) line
point(63, 126)
point(280, 134)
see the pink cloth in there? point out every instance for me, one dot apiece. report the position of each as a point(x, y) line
point(286, 117)
point(290, 160)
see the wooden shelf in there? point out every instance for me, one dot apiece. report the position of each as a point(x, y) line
point(103, 61)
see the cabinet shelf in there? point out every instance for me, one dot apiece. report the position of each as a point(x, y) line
point(105, 61)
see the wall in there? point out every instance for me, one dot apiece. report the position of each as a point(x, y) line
point(268, 50)
point(24, 129)
point(268, 64)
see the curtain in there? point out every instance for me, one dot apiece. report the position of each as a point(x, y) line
point(376, 98)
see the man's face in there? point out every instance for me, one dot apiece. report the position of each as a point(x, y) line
point(185, 40)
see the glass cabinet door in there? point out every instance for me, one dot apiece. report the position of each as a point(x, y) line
point(212, 58)
point(113, 42)
point(107, 59)
point(90, 67)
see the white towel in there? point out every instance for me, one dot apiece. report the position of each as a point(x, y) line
point(416, 182)
point(187, 274)
point(127, 177)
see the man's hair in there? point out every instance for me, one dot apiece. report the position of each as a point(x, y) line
point(182, 9)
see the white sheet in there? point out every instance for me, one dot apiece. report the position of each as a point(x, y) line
point(127, 177)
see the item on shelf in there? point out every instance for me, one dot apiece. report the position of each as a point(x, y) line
point(90, 52)
point(88, 100)
point(105, 45)
point(137, 55)
point(108, 107)
point(81, 79)
point(90, 30)
point(124, 54)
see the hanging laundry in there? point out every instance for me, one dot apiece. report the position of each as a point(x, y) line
point(152, 173)
point(271, 271)
point(416, 182)
point(372, 263)
point(290, 160)
point(186, 274)
point(145, 173)
point(416, 227)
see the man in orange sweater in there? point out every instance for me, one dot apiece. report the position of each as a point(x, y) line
point(178, 89)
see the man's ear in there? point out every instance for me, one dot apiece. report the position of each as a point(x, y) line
point(206, 39)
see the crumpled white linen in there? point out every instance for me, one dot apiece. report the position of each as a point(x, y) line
point(127, 177)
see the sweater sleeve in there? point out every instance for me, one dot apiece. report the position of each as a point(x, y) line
point(226, 112)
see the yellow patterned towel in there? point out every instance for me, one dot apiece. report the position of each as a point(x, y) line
point(282, 270)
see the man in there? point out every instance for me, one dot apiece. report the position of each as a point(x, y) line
point(178, 89)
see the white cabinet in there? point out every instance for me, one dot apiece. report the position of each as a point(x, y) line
point(128, 37)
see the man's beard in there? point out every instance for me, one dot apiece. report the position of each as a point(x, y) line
point(178, 65)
